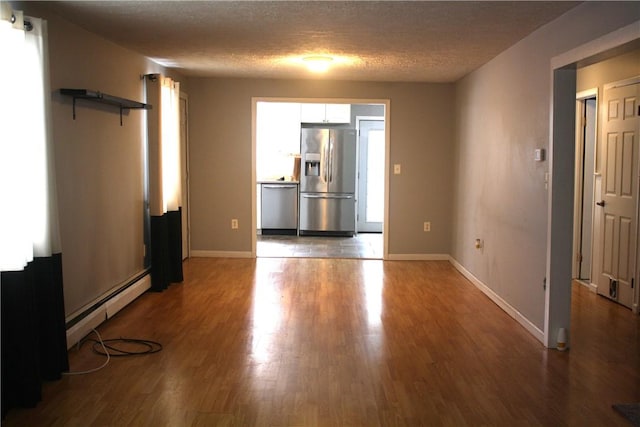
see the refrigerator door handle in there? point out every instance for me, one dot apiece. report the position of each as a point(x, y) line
point(330, 159)
point(326, 161)
point(327, 196)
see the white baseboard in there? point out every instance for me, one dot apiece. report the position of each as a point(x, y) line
point(508, 308)
point(591, 286)
point(418, 257)
point(220, 254)
point(125, 297)
point(83, 327)
point(106, 310)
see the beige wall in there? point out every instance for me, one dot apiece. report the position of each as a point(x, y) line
point(421, 125)
point(617, 68)
point(503, 115)
point(99, 164)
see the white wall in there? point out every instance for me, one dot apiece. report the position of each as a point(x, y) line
point(503, 115)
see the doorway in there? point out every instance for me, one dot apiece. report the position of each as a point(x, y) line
point(587, 187)
point(361, 245)
point(370, 200)
point(557, 283)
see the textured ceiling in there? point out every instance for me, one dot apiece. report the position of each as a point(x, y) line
point(373, 41)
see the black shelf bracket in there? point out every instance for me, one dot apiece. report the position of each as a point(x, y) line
point(103, 98)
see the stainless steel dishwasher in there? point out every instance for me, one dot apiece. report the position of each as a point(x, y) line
point(280, 208)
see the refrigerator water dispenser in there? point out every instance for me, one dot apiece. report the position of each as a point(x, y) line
point(312, 164)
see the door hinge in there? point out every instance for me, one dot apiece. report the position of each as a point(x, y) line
point(632, 282)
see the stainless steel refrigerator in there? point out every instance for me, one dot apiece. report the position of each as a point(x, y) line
point(327, 182)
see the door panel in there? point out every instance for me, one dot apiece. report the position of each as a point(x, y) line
point(620, 198)
point(624, 250)
point(608, 247)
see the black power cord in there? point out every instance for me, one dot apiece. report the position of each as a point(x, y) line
point(109, 347)
point(103, 348)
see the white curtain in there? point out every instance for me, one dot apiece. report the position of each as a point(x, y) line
point(170, 142)
point(28, 207)
point(163, 131)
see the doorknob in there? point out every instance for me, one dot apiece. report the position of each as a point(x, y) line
point(600, 203)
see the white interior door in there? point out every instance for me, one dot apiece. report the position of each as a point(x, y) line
point(371, 176)
point(619, 193)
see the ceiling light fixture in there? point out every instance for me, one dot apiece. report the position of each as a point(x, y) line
point(318, 63)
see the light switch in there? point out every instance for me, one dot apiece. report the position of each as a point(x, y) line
point(396, 169)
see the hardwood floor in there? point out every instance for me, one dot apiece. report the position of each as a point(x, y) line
point(330, 342)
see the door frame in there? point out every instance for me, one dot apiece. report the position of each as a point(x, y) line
point(557, 286)
point(387, 149)
point(358, 120)
point(184, 178)
point(581, 98)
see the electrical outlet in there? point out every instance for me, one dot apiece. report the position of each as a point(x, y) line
point(234, 224)
point(427, 226)
point(397, 169)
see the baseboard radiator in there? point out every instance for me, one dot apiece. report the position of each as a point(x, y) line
point(106, 309)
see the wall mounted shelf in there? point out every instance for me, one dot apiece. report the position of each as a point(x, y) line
point(103, 98)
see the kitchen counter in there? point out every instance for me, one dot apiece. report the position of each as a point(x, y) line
point(275, 181)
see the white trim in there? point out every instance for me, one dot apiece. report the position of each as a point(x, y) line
point(622, 83)
point(103, 296)
point(221, 254)
point(83, 327)
point(504, 305)
point(107, 310)
point(254, 180)
point(587, 94)
point(591, 286)
point(125, 297)
point(185, 96)
point(418, 257)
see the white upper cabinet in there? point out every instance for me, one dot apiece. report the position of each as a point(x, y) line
point(325, 113)
point(277, 138)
